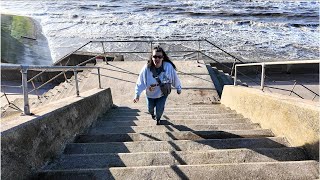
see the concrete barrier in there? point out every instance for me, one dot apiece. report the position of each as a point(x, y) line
point(294, 118)
point(29, 142)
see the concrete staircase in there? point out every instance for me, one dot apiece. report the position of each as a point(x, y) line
point(193, 142)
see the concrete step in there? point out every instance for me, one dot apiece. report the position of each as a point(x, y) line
point(173, 117)
point(169, 112)
point(172, 122)
point(90, 161)
point(173, 107)
point(293, 170)
point(171, 128)
point(176, 145)
point(170, 136)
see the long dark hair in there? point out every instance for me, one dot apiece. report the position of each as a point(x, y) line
point(165, 58)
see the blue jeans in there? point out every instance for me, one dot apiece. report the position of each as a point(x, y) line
point(157, 103)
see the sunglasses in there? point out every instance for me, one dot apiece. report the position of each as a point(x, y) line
point(155, 56)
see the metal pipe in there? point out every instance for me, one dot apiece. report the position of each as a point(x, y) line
point(34, 87)
point(262, 75)
point(26, 108)
point(72, 52)
point(88, 61)
point(235, 76)
point(314, 97)
point(99, 78)
point(198, 58)
point(104, 52)
point(76, 81)
point(64, 74)
point(5, 95)
point(49, 68)
point(234, 63)
point(37, 75)
point(141, 52)
point(294, 85)
point(139, 41)
point(308, 89)
point(223, 50)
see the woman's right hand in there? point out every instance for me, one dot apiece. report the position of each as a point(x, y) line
point(135, 100)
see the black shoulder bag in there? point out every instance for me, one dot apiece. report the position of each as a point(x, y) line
point(165, 87)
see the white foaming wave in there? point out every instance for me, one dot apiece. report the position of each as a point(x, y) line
point(65, 21)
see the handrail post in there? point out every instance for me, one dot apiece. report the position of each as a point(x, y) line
point(104, 52)
point(76, 81)
point(99, 78)
point(24, 73)
point(198, 58)
point(262, 75)
point(235, 76)
point(234, 63)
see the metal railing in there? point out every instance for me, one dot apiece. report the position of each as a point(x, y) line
point(25, 68)
point(263, 74)
point(201, 47)
point(104, 52)
point(95, 49)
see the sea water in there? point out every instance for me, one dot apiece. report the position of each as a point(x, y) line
point(252, 30)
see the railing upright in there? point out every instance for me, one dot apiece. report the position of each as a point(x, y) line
point(235, 76)
point(262, 75)
point(76, 81)
point(263, 69)
point(99, 78)
point(24, 73)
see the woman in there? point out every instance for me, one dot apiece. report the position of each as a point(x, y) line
point(157, 72)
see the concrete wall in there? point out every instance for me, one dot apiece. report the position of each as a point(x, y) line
point(29, 142)
point(294, 118)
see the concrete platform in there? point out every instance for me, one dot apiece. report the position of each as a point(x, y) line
point(197, 86)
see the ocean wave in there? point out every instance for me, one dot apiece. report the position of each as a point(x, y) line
point(229, 22)
point(303, 25)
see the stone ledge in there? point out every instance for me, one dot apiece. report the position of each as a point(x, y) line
point(294, 118)
point(29, 142)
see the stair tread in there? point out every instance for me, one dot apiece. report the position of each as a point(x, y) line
point(167, 136)
point(172, 128)
point(82, 161)
point(173, 122)
point(255, 170)
point(175, 145)
point(175, 117)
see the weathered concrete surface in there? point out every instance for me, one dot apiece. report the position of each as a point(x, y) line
point(294, 118)
point(176, 145)
point(170, 136)
point(197, 86)
point(77, 161)
point(23, 42)
point(293, 170)
point(28, 142)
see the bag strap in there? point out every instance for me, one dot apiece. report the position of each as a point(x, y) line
point(155, 75)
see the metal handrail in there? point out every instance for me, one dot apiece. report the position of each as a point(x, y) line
point(24, 69)
point(151, 43)
point(263, 65)
point(44, 69)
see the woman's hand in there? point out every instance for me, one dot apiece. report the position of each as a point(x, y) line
point(152, 87)
point(178, 91)
point(135, 100)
